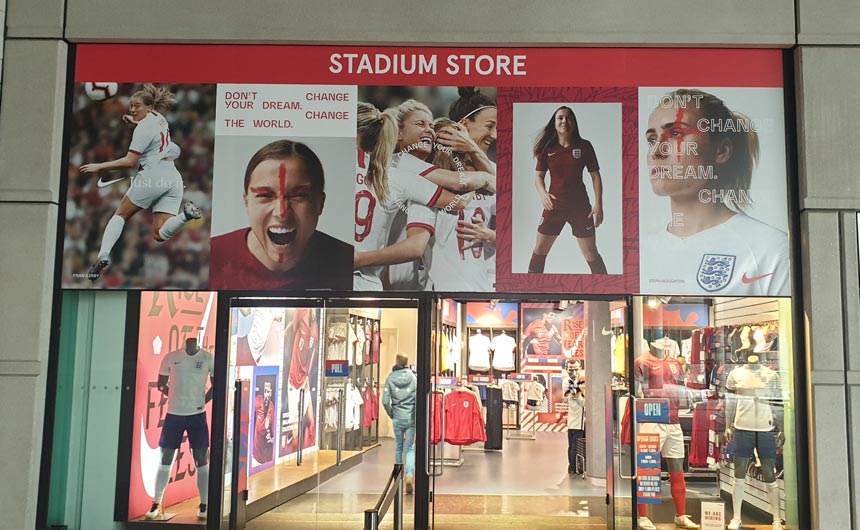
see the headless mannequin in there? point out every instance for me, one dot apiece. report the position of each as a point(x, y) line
point(768, 465)
point(675, 466)
point(200, 456)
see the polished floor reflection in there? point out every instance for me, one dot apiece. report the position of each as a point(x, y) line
point(526, 486)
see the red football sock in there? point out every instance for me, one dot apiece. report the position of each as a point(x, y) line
point(643, 510)
point(679, 491)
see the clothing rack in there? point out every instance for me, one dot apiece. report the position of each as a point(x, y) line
point(442, 461)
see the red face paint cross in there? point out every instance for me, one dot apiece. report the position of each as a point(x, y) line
point(283, 209)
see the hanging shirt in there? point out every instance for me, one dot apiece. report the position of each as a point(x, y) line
point(479, 352)
point(503, 346)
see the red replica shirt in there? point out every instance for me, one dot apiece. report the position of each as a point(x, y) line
point(304, 347)
point(659, 379)
point(327, 265)
point(565, 165)
point(537, 330)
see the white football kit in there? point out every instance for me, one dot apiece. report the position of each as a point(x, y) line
point(754, 389)
point(503, 347)
point(479, 352)
point(741, 256)
point(454, 267)
point(157, 184)
point(187, 378)
point(408, 191)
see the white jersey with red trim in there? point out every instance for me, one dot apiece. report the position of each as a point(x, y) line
point(150, 138)
point(408, 191)
point(452, 266)
point(741, 256)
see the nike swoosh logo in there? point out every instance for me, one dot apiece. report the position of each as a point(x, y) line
point(150, 461)
point(551, 154)
point(754, 278)
point(606, 332)
point(102, 183)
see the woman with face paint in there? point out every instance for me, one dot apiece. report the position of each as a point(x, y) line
point(284, 198)
point(702, 155)
point(561, 150)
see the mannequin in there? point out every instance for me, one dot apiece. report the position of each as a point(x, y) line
point(751, 422)
point(479, 352)
point(657, 376)
point(182, 378)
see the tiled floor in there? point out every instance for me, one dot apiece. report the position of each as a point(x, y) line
point(524, 486)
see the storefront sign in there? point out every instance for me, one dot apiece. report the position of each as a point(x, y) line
point(258, 179)
point(648, 489)
point(652, 411)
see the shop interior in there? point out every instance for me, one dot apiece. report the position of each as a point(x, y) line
point(320, 447)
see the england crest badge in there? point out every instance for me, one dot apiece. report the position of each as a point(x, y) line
point(715, 271)
point(577, 153)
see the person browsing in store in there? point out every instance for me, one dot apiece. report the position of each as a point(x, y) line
point(398, 399)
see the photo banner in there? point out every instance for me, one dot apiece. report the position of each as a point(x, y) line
point(417, 169)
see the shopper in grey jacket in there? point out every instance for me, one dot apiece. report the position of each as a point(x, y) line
point(398, 399)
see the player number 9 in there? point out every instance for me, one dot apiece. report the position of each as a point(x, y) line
point(365, 204)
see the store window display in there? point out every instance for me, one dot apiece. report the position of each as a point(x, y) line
point(657, 376)
point(755, 427)
point(182, 378)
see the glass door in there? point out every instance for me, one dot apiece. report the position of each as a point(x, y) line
point(543, 377)
point(272, 407)
point(619, 403)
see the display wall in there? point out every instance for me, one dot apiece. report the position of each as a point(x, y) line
point(658, 181)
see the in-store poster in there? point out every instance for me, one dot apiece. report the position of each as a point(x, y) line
point(654, 180)
point(264, 427)
point(300, 381)
point(167, 319)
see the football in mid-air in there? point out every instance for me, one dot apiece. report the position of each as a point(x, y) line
point(100, 91)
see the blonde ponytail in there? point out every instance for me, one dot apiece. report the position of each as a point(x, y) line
point(378, 138)
point(159, 98)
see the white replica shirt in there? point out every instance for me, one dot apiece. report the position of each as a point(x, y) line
point(503, 347)
point(535, 391)
point(753, 389)
point(187, 377)
point(150, 139)
point(670, 347)
point(454, 351)
point(479, 352)
point(360, 345)
point(454, 267)
point(510, 391)
point(354, 402)
point(408, 191)
point(741, 257)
